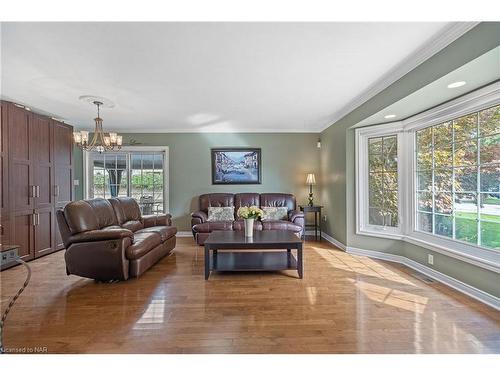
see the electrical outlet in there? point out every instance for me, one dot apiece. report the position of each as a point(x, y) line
point(430, 258)
point(324, 218)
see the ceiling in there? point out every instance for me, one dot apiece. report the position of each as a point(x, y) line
point(477, 73)
point(203, 77)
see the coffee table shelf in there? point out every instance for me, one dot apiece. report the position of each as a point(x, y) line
point(242, 253)
point(253, 261)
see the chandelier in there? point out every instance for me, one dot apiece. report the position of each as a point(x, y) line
point(100, 141)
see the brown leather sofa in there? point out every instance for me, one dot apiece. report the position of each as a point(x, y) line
point(109, 239)
point(201, 227)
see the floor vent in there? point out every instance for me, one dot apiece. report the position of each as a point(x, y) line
point(423, 278)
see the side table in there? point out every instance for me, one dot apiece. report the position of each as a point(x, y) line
point(317, 219)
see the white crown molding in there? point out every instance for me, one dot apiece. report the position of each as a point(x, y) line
point(462, 287)
point(450, 33)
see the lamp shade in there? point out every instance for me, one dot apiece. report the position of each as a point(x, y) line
point(311, 180)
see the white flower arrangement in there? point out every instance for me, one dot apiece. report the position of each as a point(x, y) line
point(252, 212)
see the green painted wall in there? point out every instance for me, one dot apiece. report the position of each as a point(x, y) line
point(338, 159)
point(286, 160)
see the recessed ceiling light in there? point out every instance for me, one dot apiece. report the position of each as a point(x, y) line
point(389, 116)
point(456, 84)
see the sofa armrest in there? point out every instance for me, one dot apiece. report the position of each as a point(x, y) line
point(99, 260)
point(155, 220)
point(293, 215)
point(100, 235)
point(199, 217)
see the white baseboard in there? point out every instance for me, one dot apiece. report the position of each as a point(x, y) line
point(333, 241)
point(467, 289)
point(184, 234)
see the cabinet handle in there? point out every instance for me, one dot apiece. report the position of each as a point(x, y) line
point(37, 219)
point(56, 190)
point(33, 191)
point(33, 219)
point(37, 190)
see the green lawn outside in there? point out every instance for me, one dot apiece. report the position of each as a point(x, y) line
point(466, 229)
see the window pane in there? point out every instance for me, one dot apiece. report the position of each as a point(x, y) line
point(443, 136)
point(424, 139)
point(490, 178)
point(424, 160)
point(376, 162)
point(376, 216)
point(443, 225)
point(443, 203)
point(465, 179)
point(390, 181)
point(424, 201)
point(465, 229)
point(489, 121)
point(490, 207)
point(490, 234)
point(443, 179)
point(383, 181)
point(375, 145)
point(465, 205)
point(424, 180)
point(465, 153)
point(465, 128)
point(490, 149)
point(424, 222)
point(443, 157)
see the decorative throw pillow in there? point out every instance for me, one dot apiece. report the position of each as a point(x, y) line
point(275, 213)
point(221, 213)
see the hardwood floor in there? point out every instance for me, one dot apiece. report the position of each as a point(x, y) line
point(344, 304)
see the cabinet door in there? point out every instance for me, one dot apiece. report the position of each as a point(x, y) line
point(20, 159)
point(21, 233)
point(44, 232)
point(63, 163)
point(42, 136)
point(5, 231)
point(63, 171)
point(4, 166)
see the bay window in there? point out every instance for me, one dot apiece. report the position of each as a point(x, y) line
point(434, 179)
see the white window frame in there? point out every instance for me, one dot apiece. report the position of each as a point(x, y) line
point(166, 174)
point(476, 101)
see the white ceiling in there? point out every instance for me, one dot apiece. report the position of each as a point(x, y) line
point(477, 73)
point(166, 77)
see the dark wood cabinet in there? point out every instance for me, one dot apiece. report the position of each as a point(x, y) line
point(37, 164)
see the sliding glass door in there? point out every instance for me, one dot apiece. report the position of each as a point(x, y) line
point(137, 174)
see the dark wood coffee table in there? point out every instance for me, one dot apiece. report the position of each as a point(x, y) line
point(253, 260)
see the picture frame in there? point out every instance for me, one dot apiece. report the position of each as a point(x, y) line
point(236, 166)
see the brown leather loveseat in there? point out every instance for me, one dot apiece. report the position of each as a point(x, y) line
point(201, 227)
point(109, 239)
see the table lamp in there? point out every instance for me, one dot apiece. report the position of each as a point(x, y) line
point(311, 180)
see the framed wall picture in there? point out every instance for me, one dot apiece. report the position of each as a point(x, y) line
point(233, 166)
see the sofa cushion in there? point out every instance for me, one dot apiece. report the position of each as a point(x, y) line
point(104, 211)
point(126, 209)
point(275, 213)
point(80, 217)
point(133, 225)
point(142, 244)
point(278, 200)
point(216, 200)
point(164, 232)
point(220, 213)
point(281, 225)
point(240, 225)
point(210, 226)
point(246, 200)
